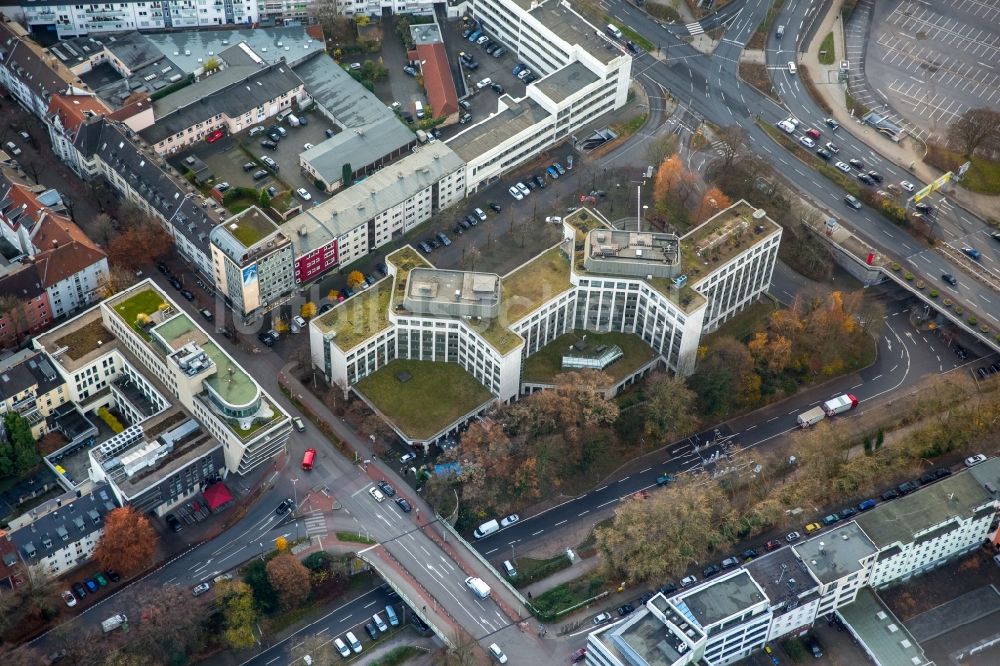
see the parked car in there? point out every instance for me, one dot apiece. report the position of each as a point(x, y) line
point(729, 562)
point(260, 174)
point(404, 505)
point(792, 537)
point(387, 488)
point(748, 554)
point(687, 581)
point(484, 83)
point(270, 145)
point(711, 570)
point(68, 598)
point(510, 520)
point(772, 545)
point(972, 461)
point(200, 589)
point(91, 585)
point(625, 609)
point(522, 188)
point(407, 457)
point(515, 192)
point(409, 70)
point(376, 494)
point(495, 207)
point(112, 575)
point(214, 136)
point(101, 580)
point(304, 194)
point(249, 166)
point(498, 89)
point(298, 423)
point(830, 519)
point(173, 523)
point(78, 590)
point(601, 618)
point(813, 527)
point(890, 494)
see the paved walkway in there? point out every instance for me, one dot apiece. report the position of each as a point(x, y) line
point(580, 568)
point(908, 154)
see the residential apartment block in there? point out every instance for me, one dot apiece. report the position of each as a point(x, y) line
point(139, 354)
point(597, 279)
point(61, 534)
point(253, 262)
point(30, 387)
point(781, 593)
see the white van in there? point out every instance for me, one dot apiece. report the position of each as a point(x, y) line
point(486, 529)
point(478, 587)
point(353, 641)
point(390, 613)
point(419, 108)
point(511, 571)
point(382, 626)
point(791, 67)
point(614, 32)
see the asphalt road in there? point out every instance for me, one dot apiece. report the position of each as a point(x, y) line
point(709, 87)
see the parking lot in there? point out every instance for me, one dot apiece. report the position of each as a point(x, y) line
point(227, 156)
point(935, 61)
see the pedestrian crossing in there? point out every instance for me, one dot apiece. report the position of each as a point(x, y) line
point(694, 28)
point(719, 147)
point(315, 524)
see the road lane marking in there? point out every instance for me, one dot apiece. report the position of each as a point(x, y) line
point(538, 532)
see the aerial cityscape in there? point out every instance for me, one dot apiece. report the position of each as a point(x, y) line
point(610, 332)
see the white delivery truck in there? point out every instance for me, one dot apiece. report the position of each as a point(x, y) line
point(114, 622)
point(478, 587)
point(486, 529)
point(811, 417)
point(840, 404)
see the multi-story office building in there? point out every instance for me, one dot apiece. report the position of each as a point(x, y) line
point(597, 279)
point(72, 20)
point(583, 75)
point(253, 262)
point(784, 592)
point(140, 353)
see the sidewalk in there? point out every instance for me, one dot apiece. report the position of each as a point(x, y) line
point(908, 155)
point(580, 568)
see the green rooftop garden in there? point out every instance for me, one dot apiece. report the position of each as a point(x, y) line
point(359, 317)
point(584, 222)
point(500, 337)
point(545, 364)
point(719, 239)
point(256, 426)
point(404, 259)
point(230, 381)
point(251, 227)
point(539, 280)
point(137, 310)
point(84, 340)
point(433, 396)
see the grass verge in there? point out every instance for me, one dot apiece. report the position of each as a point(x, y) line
point(353, 537)
point(759, 38)
point(827, 54)
point(755, 73)
point(982, 177)
point(854, 106)
point(742, 327)
point(397, 656)
point(630, 126)
point(551, 604)
point(530, 570)
point(633, 35)
point(810, 85)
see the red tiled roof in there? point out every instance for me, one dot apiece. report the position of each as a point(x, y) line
point(438, 82)
point(72, 109)
point(64, 250)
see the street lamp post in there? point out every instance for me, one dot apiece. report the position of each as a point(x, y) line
point(295, 506)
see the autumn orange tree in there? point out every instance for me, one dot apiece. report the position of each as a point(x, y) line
point(355, 279)
point(712, 202)
point(128, 542)
point(139, 245)
point(289, 578)
point(671, 179)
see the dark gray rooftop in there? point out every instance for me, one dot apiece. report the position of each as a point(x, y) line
point(186, 47)
point(487, 135)
point(883, 635)
point(716, 600)
point(233, 92)
point(782, 575)
point(837, 553)
point(24, 370)
point(358, 146)
point(569, 80)
point(348, 102)
point(68, 524)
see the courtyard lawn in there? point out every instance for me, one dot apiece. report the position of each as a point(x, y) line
point(544, 365)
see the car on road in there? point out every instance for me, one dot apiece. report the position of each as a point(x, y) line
point(304, 193)
point(923, 207)
point(214, 136)
point(663, 479)
point(846, 168)
point(949, 278)
point(972, 461)
point(601, 618)
point(509, 520)
point(813, 527)
point(972, 253)
point(407, 457)
point(995, 235)
point(222, 577)
point(687, 581)
point(907, 185)
point(516, 193)
point(875, 175)
point(173, 523)
point(625, 609)
point(786, 126)
point(813, 133)
point(866, 179)
point(387, 488)
point(792, 537)
point(824, 154)
point(68, 598)
point(857, 164)
point(484, 83)
point(376, 494)
point(497, 653)
point(207, 314)
point(832, 124)
point(851, 201)
point(286, 505)
point(832, 147)
point(200, 589)
point(404, 505)
point(522, 188)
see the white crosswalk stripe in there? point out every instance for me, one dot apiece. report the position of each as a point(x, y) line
point(694, 28)
point(315, 524)
point(719, 147)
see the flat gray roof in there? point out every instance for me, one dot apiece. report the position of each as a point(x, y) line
point(837, 553)
point(883, 635)
point(903, 518)
point(782, 575)
point(425, 33)
point(560, 84)
point(185, 47)
point(574, 29)
point(483, 137)
point(362, 201)
point(646, 637)
point(959, 626)
point(349, 102)
point(724, 597)
point(358, 146)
